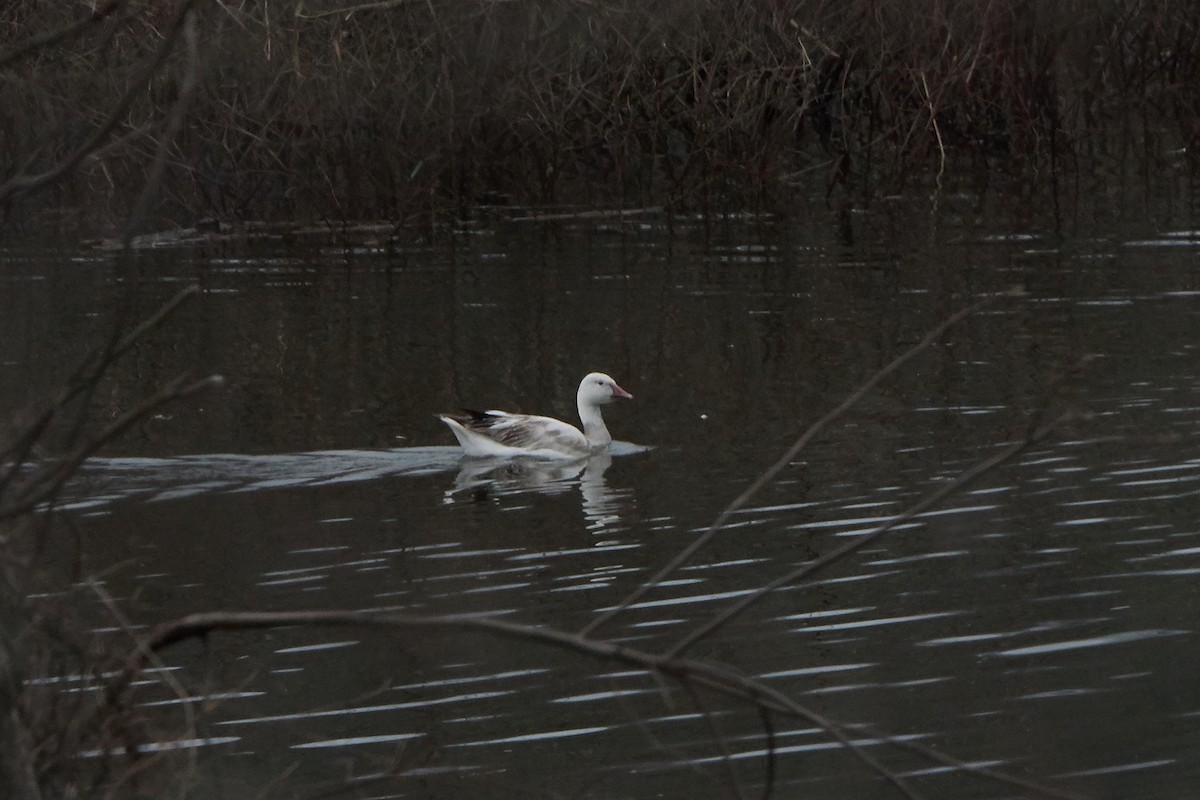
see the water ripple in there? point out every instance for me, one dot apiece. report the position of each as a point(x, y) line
point(1093, 641)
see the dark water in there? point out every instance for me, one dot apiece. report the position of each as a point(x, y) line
point(1042, 621)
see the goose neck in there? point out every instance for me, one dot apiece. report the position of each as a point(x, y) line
point(593, 424)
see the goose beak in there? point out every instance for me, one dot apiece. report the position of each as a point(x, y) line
point(617, 391)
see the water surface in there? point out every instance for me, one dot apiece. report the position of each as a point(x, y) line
point(1041, 621)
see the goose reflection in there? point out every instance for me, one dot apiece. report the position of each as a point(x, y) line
point(603, 506)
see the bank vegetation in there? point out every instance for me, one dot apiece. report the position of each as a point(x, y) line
point(295, 110)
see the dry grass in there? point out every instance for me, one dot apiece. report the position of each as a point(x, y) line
point(403, 110)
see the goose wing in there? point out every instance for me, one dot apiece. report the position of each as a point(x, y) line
point(524, 433)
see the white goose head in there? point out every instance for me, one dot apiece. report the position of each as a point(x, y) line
point(597, 389)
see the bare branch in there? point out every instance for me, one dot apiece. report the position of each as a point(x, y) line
point(46, 485)
point(715, 678)
point(349, 10)
point(164, 675)
point(52, 38)
point(975, 769)
point(689, 671)
point(769, 729)
point(770, 474)
point(714, 729)
point(16, 452)
point(27, 184)
point(187, 89)
point(924, 504)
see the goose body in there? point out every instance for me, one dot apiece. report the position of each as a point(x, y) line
point(502, 434)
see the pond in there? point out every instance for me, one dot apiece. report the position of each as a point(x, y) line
point(1041, 621)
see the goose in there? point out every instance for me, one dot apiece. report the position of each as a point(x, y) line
point(499, 433)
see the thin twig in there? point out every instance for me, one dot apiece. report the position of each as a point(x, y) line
point(191, 79)
point(45, 485)
point(924, 504)
point(769, 475)
point(772, 757)
point(350, 10)
point(16, 453)
point(181, 694)
point(593, 214)
point(52, 38)
point(937, 131)
point(982, 771)
point(714, 729)
point(27, 184)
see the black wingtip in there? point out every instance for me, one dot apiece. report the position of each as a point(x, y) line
point(469, 416)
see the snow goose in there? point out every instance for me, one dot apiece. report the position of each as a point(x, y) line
point(499, 433)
